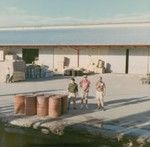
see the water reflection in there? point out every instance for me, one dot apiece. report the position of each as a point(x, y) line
point(32, 138)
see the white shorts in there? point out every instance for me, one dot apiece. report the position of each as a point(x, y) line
point(72, 96)
point(84, 94)
point(99, 95)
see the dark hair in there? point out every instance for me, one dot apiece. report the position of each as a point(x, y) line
point(72, 79)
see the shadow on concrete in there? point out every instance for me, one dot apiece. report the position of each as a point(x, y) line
point(5, 110)
point(58, 77)
point(139, 120)
point(123, 102)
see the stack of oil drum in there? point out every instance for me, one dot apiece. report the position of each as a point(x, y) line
point(33, 72)
point(36, 71)
point(52, 105)
point(73, 72)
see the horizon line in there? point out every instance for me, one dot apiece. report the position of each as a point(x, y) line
point(73, 25)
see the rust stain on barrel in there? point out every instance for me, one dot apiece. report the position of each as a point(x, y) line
point(55, 106)
point(64, 103)
point(19, 104)
point(42, 105)
point(30, 105)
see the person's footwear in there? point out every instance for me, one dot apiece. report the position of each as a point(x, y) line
point(103, 109)
point(86, 106)
point(98, 107)
point(81, 107)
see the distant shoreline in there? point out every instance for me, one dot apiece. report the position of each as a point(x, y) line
point(98, 25)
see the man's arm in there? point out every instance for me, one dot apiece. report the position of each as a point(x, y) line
point(97, 85)
point(76, 88)
point(68, 88)
point(80, 83)
point(104, 89)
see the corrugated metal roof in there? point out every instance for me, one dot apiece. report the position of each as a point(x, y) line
point(101, 35)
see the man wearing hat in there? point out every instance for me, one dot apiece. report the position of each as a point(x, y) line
point(84, 85)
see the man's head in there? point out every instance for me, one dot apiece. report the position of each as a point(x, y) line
point(72, 80)
point(100, 79)
point(85, 77)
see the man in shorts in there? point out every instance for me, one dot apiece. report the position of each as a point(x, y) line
point(72, 92)
point(100, 93)
point(84, 85)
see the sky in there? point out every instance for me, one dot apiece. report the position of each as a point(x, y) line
point(68, 12)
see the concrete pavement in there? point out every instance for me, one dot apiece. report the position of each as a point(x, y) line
point(127, 106)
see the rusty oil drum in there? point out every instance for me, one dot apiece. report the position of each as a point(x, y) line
point(19, 104)
point(42, 105)
point(64, 103)
point(30, 105)
point(54, 106)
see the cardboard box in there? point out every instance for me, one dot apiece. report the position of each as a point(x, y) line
point(1, 55)
point(10, 57)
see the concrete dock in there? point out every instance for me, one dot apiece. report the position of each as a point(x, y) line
point(127, 105)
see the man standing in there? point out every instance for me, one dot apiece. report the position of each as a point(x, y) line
point(72, 92)
point(100, 93)
point(84, 85)
point(8, 75)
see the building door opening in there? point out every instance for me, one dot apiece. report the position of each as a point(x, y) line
point(29, 55)
point(127, 62)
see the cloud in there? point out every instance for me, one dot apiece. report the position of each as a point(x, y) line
point(12, 16)
point(132, 17)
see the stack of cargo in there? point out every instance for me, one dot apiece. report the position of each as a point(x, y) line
point(100, 67)
point(97, 66)
point(146, 79)
point(19, 68)
point(1, 55)
point(73, 72)
point(16, 68)
point(34, 71)
point(52, 105)
point(62, 64)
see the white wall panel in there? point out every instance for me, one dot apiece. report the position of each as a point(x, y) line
point(138, 60)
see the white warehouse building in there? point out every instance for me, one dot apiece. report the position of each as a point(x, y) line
point(123, 48)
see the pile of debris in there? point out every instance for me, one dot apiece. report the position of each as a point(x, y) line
point(146, 80)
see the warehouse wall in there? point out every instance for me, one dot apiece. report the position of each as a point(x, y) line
point(53, 56)
point(113, 57)
point(139, 60)
point(46, 56)
point(148, 61)
point(61, 52)
point(13, 50)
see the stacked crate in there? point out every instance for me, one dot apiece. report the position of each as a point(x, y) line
point(19, 68)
